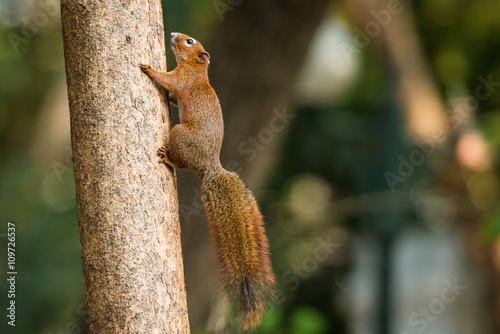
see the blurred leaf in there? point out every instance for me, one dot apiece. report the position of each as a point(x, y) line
point(306, 320)
point(491, 225)
point(273, 321)
point(490, 125)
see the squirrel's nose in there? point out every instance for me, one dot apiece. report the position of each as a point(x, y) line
point(174, 34)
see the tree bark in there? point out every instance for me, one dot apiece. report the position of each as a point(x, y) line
point(127, 200)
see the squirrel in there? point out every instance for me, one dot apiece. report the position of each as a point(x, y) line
point(235, 223)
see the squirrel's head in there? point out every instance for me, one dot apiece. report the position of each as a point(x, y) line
point(186, 48)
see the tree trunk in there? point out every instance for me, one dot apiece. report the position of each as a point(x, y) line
point(127, 200)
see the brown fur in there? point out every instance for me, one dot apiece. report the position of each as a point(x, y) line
point(235, 222)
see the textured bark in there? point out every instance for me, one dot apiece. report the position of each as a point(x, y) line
point(127, 200)
point(256, 54)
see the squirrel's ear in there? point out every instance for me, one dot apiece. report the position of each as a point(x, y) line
point(203, 57)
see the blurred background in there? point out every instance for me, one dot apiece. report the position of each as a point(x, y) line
point(368, 130)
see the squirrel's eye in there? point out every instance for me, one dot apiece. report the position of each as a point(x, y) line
point(189, 42)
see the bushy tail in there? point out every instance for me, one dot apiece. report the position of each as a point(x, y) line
point(240, 243)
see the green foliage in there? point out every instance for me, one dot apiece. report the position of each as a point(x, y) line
point(491, 225)
point(47, 250)
point(272, 321)
point(307, 320)
point(489, 122)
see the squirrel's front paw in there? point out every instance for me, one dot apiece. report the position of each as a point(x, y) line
point(145, 68)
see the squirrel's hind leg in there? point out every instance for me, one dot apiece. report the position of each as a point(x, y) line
point(162, 153)
point(181, 149)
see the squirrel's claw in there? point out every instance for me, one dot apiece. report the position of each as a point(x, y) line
point(145, 68)
point(162, 153)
